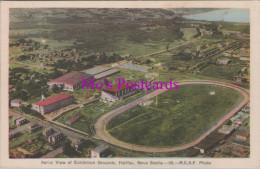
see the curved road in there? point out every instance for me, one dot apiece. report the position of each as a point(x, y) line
point(101, 123)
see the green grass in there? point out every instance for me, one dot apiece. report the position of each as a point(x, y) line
point(84, 123)
point(243, 28)
point(189, 33)
point(171, 123)
point(224, 71)
point(23, 138)
point(39, 144)
point(12, 123)
point(11, 66)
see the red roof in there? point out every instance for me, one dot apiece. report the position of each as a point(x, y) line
point(52, 99)
point(115, 88)
point(71, 78)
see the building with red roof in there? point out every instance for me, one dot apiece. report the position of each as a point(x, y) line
point(71, 81)
point(115, 94)
point(52, 103)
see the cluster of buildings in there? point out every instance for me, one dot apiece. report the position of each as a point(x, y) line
point(244, 54)
point(226, 129)
point(70, 82)
point(236, 121)
point(237, 127)
point(242, 134)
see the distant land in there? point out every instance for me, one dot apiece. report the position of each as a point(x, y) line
point(225, 15)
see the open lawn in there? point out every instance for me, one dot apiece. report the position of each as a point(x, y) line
point(180, 116)
point(243, 28)
point(89, 114)
point(189, 33)
point(224, 71)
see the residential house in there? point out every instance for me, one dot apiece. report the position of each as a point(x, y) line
point(16, 103)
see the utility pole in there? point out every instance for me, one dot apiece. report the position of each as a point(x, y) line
point(156, 102)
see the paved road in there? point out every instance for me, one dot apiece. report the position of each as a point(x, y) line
point(101, 123)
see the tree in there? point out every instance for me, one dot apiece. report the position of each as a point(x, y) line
point(148, 61)
point(55, 88)
point(69, 150)
point(167, 47)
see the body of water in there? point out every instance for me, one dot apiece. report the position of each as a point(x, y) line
point(225, 15)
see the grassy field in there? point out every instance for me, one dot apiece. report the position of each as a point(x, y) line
point(23, 138)
point(224, 71)
point(89, 114)
point(189, 33)
point(181, 116)
point(243, 28)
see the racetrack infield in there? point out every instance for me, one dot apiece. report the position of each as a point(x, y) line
point(155, 136)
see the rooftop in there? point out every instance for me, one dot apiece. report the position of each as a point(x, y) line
point(52, 99)
point(16, 101)
point(97, 70)
point(226, 127)
point(106, 73)
point(100, 148)
point(21, 118)
point(73, 119)
point(71, 78)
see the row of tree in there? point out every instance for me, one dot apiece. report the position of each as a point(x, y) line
point(86, 62)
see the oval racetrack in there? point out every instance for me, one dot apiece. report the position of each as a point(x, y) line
point(101, 123)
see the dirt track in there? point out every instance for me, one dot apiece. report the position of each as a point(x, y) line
point(100, 124)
